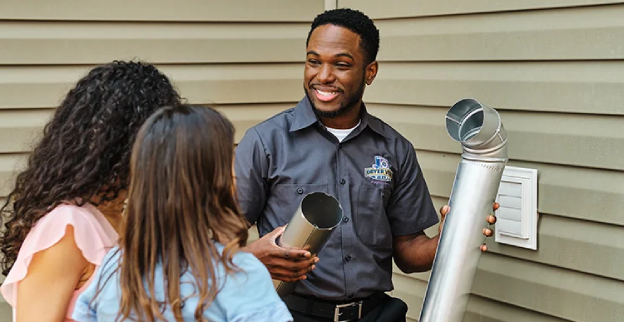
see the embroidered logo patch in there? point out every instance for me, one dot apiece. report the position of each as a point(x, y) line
point(380, 170)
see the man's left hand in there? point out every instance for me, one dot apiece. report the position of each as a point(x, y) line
point(491, 219)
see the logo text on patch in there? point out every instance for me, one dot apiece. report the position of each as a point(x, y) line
point(380, 170)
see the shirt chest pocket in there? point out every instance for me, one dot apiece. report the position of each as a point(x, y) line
point(371, 222)
point(288, 197)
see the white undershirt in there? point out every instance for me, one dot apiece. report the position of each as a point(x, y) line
point(341, 134)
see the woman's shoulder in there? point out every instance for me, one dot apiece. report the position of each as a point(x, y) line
point(242, 259)
point(87, 237)
point(68, 213)
point(248, 260)
point(250, 289)
point(248, 270)
point(250, 274)
point(93, 234)
point(85, 218)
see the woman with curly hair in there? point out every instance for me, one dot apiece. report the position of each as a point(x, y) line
point(179, 255)
point(63, 215)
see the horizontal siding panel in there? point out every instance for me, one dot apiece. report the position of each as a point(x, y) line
point(587, 33)
point(570, 87)
point(422, 8)
point(553, 291)
point(8, 166)
point(246, 116)
point(37, 87)
point(40, 43)
point(412, 292)
point(485, 310)
point(588, 140)
point(587, 194)
point(581, 246)
point(562, 293)
point(162, 10)
point(19, 128)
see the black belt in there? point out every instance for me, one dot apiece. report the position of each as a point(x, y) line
point(336, 311)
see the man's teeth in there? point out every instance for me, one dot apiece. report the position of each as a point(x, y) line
point(326, 93)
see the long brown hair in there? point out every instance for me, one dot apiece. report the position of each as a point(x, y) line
point(84, 153)
point(181, 201)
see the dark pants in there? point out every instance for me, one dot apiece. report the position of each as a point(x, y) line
point(389, 310)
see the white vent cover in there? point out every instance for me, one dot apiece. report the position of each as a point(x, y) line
point(516, 219)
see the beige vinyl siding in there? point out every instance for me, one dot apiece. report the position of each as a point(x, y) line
point(242, 56)
point(30, 87)
point(271, 11)
point(72, 42)
point(391, 9)
point(555, 71)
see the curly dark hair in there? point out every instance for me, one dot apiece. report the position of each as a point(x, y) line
point(355, 21)
point(85, 148)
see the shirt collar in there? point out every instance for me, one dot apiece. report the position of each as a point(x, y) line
point(372, 122)
point(305, 117)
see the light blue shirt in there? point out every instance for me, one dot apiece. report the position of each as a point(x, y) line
point(246, 296)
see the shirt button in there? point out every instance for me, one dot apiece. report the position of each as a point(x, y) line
point(345, 219)
point(339, 146)
point(299, 190)
point(348, 258)
point(350, 295)
point(343, 181)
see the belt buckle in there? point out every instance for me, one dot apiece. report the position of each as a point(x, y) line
point(337, 312)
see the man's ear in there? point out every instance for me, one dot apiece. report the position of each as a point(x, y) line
point(371, 72)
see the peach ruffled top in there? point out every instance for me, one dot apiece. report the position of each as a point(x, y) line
point(93, 234)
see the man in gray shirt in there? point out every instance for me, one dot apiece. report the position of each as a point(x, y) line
point(327, 143)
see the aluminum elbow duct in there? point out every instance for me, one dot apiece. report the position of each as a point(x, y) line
point(480, 131)
point(310, 227)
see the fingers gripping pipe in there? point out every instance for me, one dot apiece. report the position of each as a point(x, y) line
point(480, 131)
point(309, 229)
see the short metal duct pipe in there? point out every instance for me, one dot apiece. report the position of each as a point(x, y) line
point(310, 227)
point(480, 131)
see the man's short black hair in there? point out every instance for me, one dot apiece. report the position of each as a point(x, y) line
point(355, 21)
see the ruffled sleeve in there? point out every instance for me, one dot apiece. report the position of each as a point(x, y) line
point(92, 238)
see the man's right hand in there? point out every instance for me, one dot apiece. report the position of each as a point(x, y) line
point(287, 265)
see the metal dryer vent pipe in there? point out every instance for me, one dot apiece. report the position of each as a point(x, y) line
point(480, 131)
point(309, 228)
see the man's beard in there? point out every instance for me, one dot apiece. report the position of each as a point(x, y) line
point(350, 103)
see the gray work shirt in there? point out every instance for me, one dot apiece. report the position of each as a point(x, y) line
point(374, 175)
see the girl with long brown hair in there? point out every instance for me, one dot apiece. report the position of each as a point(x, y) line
point(179, 256)
point(61, 218)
